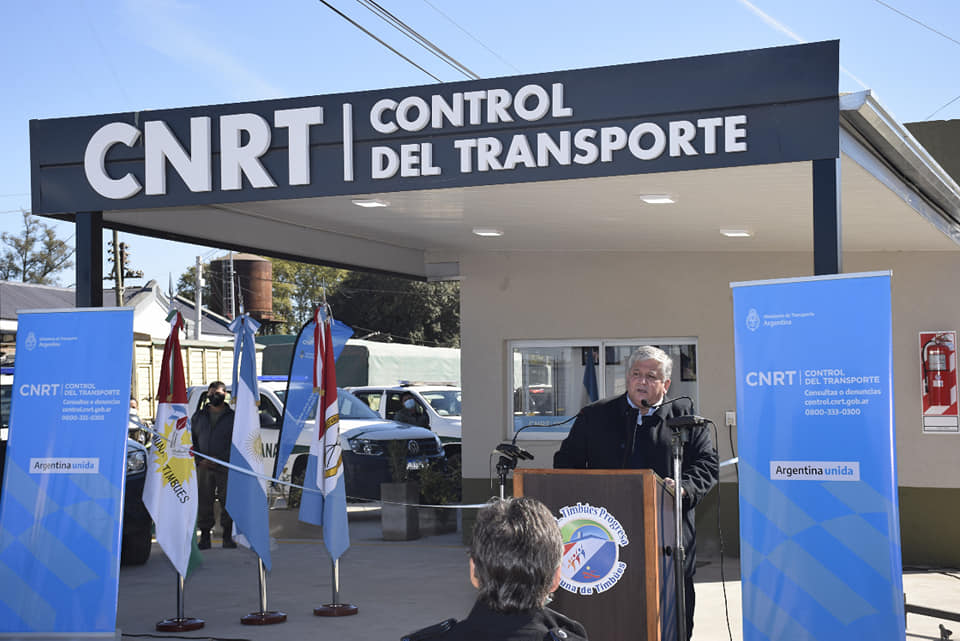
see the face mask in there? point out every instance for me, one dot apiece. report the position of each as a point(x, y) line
point(217, 398)
point(409, 403)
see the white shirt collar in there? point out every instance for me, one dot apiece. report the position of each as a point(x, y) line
point(649, 411)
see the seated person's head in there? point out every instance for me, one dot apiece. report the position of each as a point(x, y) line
point(515, 554)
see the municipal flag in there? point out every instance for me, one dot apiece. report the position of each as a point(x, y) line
point(325, 465)
point(246, 485)
point(170, 490)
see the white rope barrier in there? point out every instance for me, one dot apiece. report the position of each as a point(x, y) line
point(270, 479)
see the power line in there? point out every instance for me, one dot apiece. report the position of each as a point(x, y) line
point(922, 24)
point(929, 28)
point(472, 37)
point(360, 27)
point(398, 24)
point(942, 108)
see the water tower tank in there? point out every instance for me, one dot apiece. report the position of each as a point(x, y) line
point(255, 278)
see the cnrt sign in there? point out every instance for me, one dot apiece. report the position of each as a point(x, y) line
point(756, 107)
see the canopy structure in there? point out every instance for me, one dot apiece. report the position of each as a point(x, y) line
point(558, 162)
point(588, 205)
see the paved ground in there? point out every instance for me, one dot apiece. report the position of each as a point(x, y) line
point(398, 587)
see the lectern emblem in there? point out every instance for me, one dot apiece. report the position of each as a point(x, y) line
point(592, 539)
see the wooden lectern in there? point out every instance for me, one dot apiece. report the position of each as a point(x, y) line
point(640, 604)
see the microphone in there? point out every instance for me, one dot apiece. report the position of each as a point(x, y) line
point(514, 451)
point(647, 404)
point(679, 422)
point(683, 422)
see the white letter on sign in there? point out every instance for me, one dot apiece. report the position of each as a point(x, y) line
point(298, 122)
point(94, 161)
point(160, 146)
point(236, 158)
point(384, 163)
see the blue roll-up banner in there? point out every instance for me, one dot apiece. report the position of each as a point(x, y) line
point(819, 519)
point(62, 501)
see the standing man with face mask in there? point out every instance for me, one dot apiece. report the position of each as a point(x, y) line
point(212, 428)
point(629, 432)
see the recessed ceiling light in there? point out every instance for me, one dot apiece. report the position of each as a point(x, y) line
point(657, 199)
point(371, 202)
point(736, 233)
point(488, 232)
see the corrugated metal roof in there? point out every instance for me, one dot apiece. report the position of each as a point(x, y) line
point(17, 296)
point(21, 296)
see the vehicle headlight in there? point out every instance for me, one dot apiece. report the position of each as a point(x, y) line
point(366, 446)
point(136, 461)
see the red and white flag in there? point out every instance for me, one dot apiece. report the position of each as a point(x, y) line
point(327, 445)
point(170, 489)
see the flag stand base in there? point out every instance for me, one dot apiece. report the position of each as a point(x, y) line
point(179, 624)
point(335, 610)
point(264, 618)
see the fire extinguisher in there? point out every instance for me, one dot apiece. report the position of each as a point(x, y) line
point(936, 355)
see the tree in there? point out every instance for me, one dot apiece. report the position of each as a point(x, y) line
point(400, 309)
point(298, 289)
point(390, 307)
point(35, 255)
point(187, 284)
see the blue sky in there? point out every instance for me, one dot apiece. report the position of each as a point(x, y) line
point(79, 57)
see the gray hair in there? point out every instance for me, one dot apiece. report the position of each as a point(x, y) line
point(516, 550)
point(647, 352)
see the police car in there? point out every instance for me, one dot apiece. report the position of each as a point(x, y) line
point(364, 437)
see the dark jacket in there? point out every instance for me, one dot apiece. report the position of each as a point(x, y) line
point(604, 433)
point(484, 624)
point(213, 439)
point(411, 417)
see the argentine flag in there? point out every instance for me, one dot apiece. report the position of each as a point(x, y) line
point(246, 493)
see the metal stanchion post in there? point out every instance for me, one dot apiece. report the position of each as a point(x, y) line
point(679, 552)
point(179, 623)
point(335, 609)
point(263, 616)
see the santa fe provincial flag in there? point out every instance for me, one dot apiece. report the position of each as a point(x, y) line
point(327, 445)
point(170, 490)
point(325, 465)
point(247, 493)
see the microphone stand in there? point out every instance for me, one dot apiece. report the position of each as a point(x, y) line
point(509, 455)
point(504, 465)
point(676, 442)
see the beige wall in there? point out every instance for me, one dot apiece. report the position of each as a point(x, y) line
point(620, 295)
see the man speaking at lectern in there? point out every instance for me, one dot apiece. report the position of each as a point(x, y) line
point(629, 432)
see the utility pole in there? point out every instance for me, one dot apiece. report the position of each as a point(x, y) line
point(117, 268)
point(239, 294)
point(120, 257)
point(198, 300)
point(233, 299)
